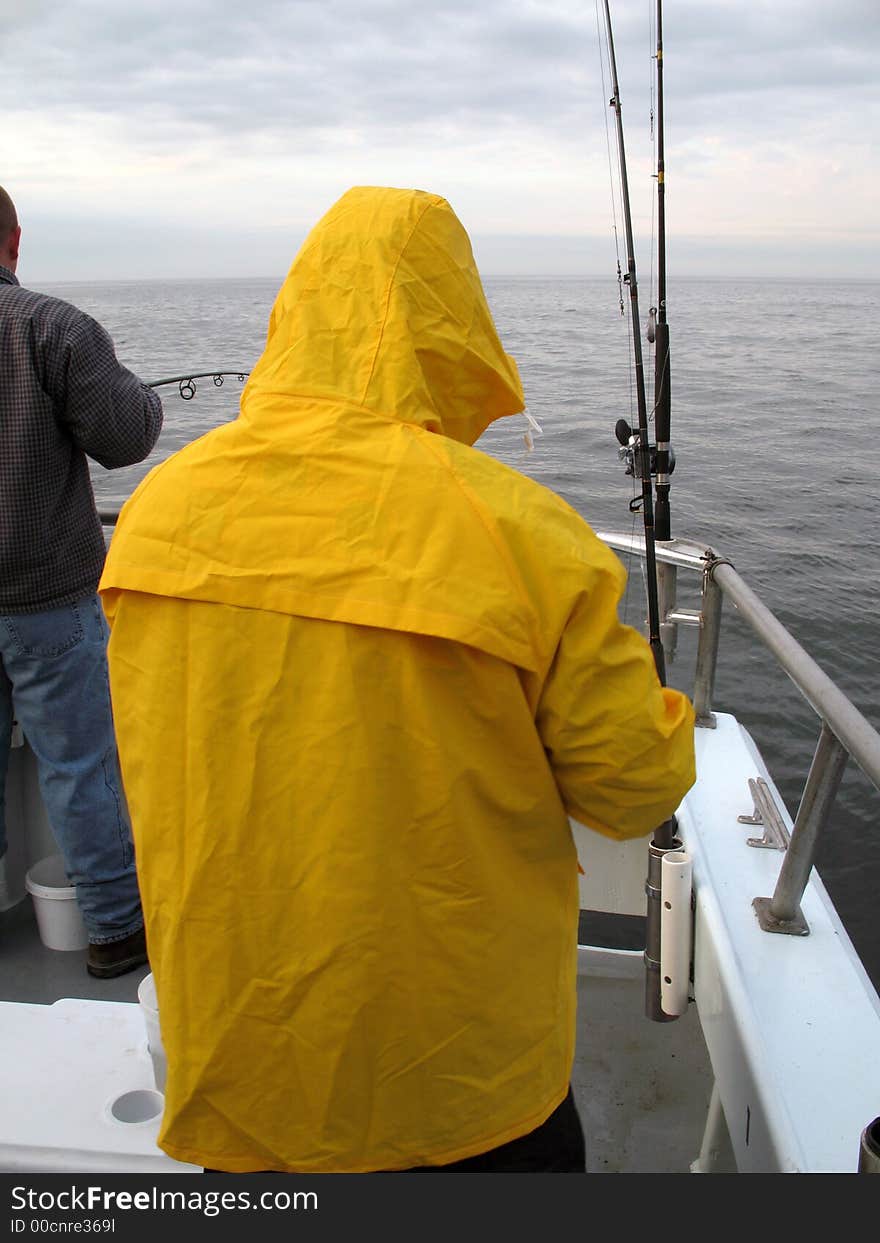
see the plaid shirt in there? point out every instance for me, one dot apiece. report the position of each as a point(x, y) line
point(63, 395)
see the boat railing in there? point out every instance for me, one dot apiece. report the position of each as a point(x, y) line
point(844, 731)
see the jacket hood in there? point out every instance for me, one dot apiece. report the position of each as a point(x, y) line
point(331, 496)
point(383, 309)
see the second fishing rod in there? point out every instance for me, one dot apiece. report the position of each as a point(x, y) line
point(639, 443)
point(664, 841)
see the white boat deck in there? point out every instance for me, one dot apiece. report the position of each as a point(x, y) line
point(79, 1093)
point(777, 1048)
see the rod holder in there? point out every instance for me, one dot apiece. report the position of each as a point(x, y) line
point(675, 931)
point(653, 929)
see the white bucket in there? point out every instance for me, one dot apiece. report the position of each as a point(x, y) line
point(58, 917)
point(150, 1010)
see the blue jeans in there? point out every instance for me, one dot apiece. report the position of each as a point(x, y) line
point(53, 677)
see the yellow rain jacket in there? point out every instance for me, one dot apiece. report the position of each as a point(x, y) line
point(362, 673)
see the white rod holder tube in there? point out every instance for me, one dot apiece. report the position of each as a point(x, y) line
point(675, 931)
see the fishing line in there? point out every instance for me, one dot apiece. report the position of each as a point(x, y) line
point(604, 51)
point(602, 45)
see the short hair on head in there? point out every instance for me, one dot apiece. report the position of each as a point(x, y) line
point(8, 217)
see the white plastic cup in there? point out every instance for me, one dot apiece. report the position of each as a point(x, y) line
point(59, 920)
point(150, 1010)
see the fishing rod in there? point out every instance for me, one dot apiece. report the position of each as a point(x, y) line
point(658, 328)
point(186, 388)
point(187, 382)
point(639, 453)
point(658, 336)
point(637, 444)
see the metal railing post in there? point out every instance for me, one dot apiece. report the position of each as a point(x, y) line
point(781, 913)
point(707, 650)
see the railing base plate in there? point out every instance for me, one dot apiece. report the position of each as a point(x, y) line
point(796, 927)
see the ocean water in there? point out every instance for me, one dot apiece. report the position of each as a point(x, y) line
point(776, 429)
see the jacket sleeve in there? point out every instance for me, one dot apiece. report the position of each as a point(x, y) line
point(109, 412)
point(620, 745)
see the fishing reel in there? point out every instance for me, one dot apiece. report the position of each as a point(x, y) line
point(630, 454)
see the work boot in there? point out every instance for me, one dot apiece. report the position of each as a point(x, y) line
point(112, 958)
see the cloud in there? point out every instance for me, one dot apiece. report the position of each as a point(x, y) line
point(205, 121)
point(283, 68)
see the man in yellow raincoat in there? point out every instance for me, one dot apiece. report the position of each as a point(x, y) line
point(362, 674)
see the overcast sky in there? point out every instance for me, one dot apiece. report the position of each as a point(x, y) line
point(205, 137)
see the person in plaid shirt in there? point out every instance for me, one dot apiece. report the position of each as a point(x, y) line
point(65, 398)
